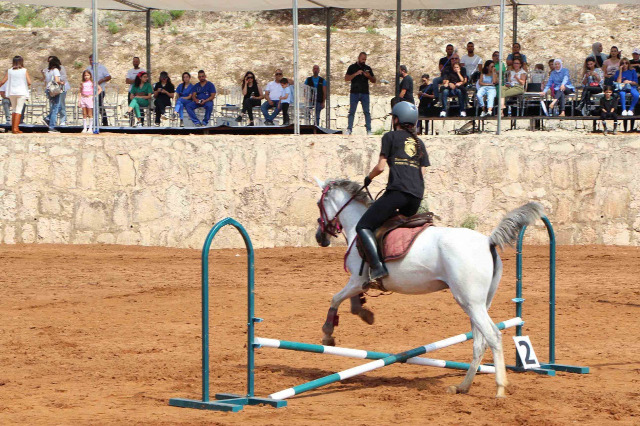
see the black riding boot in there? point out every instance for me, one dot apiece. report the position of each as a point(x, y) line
point(370, 246)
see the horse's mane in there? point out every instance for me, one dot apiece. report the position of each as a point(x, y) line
point(351, 188)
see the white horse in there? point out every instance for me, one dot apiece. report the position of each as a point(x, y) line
point(460, 259)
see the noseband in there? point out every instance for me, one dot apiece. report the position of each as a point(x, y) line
point(333, 227)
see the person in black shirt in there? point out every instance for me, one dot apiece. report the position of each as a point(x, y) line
point(635, 62)
point(406, 86)
point(442, 64)
point(407, 158)
point(460, 80)
point(608, 105)
point(359, 74)
point(320, 84)
point(163, 92)
point(426, 101)
point(250, 96)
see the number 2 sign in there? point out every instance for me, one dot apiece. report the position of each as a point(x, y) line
point(525, 352)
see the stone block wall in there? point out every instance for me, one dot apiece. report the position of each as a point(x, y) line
point(170, 190)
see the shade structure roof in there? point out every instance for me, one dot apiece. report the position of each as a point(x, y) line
point(248, 5)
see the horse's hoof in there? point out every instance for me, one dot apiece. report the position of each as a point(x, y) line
point(366, 316)
point(328, 341)
point(501, 393)
point(452, 390)
point(327, 329)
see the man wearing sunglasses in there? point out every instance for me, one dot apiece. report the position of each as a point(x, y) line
point(272, 94)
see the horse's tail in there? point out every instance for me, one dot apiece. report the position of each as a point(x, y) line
point(507, 231)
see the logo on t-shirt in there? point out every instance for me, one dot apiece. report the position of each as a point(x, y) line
point(410, 147)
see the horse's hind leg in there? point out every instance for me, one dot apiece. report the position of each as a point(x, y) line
point(356, 308)
point(479, 348)
point(481, 319)
point(352, 288)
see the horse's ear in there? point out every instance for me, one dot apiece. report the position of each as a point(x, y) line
point(319, 182)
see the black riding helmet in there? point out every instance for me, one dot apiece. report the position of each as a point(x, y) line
point(406, 112)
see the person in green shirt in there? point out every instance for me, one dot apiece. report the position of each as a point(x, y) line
point(141, 92)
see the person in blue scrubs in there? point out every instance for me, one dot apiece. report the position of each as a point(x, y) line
point(202, 97)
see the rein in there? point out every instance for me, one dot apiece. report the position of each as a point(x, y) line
point(333, 227)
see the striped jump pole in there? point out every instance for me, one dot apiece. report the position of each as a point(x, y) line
point(392, 359)
point(362, 354)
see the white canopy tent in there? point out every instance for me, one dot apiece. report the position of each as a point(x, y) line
point(254, 5)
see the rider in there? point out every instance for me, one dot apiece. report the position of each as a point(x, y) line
point(408, 160)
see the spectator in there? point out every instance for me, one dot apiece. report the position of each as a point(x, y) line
point(608, 105)
point(359, 74)
point(272, 94)
point(454, 81)
point(487, 87)
point(472, 62)
point(163, 91)
point(320, 85)
point(537, 75)
point(455, 60)
point(202, 95)
point(502, 67)
point(406, 85)
point(551, 65)
point(133, 73)
point(141, 93)
point(6, 103)
point(514, 85)
point(17, 82)
point(635, 62)
point(86, 101)
point(626, 81)
point(250, 96)
point(62, 110)
point(103, 77)
point(52, 75)
point(442, 64)
point(426, 100)
point(592, 79)
point(611, 65)
point(183, 95)
point(524, 65)
point(515, 49)
point(285, 100)
point(560, 80)
point(597, 55)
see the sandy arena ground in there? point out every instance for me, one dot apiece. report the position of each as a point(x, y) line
point(107, 334)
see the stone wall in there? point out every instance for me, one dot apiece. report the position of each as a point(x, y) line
point(169, 191)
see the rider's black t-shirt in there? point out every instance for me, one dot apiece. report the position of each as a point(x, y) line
point(404, 160)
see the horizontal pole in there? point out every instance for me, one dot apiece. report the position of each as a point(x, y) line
point(392, 359)
point(362, 354)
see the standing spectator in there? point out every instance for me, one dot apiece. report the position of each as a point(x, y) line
point(6, 103)
point(597, 55)
point(611, 65)
point(472, 62)
point(320, 85)
point(285, 100)
point(359, 74)
point(453, 83)
point(443, 63)
point(102, 77)
point(62, 111)
point(592, 79)
point(17, 82)
point(272, 94)
point(426, 100)
point(608, 105)
point(487, 87)
point(141, 93)
point(406, 85)
point(133, 73)
point(516, 50)
point(635, 62)
point(626, 81)
point(52, 75)
point(250, 96)
point(183, 95)
point(203, 94)
point(560, 80)
point(163, 91)
point(514, 85)
point(86, 101)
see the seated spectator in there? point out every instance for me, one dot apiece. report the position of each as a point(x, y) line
point(454, 81)
point(285, 100)
point(626, 81)
point(592, 79)
point(6, 103)
point(455, 59)
point(163, 91)
point(472, 62)
point(487, 87)
point(635, 62)
point(141, 92)
point(608, 105)
point(514, 85)
point(250, 96)
point(611, 65)
point(551, 65)
point(537, 75)
point(272, 94)
point(560, 80)
point(515, 50)
point(597, 55)
point(202, 96)
point(442, 64)
point(502, 67)
point(183, 95)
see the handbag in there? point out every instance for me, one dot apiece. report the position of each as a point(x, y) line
point(54, 88)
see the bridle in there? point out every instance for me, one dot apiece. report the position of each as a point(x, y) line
point(333, 227)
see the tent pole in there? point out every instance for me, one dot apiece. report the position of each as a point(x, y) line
point(149, 44)
point(327, 101)
point(500, 76)
point(94, 47)
point(398, 38)
point(296, 84)
point(515, 21)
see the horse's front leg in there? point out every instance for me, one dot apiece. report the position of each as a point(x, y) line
point(353, 288)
